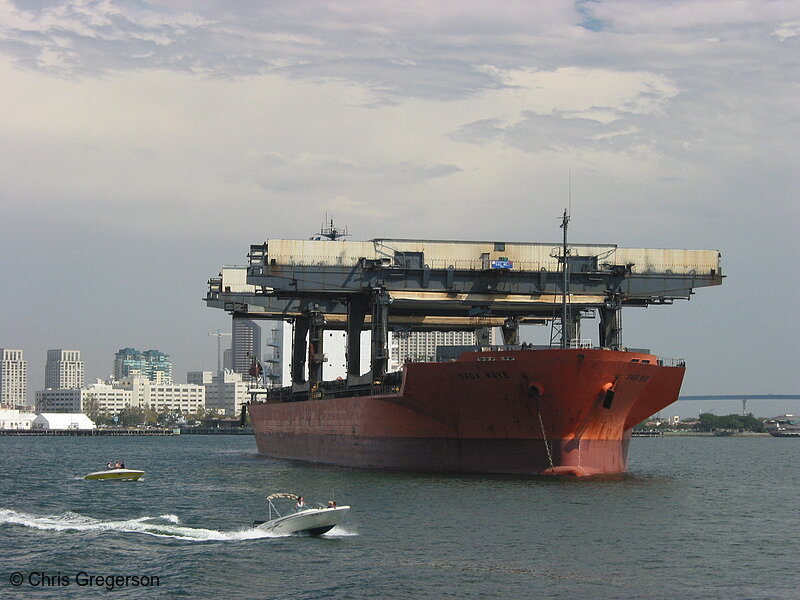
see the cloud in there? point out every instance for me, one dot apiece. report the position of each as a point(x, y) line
point(787, 30)
point(91, 37)
point(307, 172)
point(314, 42)
point(552, 133)
point(669, 16)
point(573, 109)
point(347, 208)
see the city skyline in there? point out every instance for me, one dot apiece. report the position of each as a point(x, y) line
point(688, 406)
point(145, 145)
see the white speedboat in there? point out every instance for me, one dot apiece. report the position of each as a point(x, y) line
point(118, 474)
point(309, 521)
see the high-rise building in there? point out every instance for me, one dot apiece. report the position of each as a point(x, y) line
point(153, 364)
point(245, 345)
point(13, 378)
point(64, 370)
point(127, 360)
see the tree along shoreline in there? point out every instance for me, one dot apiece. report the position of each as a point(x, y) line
point(708, 424)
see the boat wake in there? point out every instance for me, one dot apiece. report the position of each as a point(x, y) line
point(339, 531)
point(163, 526)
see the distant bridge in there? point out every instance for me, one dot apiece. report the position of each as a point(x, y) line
point(744, 398)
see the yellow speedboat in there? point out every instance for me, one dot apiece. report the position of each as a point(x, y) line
point(118, 474)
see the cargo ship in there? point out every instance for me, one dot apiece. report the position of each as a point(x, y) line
point(565, 409)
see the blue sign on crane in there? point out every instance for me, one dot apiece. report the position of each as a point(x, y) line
point(502, 264)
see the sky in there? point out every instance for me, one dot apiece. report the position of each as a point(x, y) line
point(145, 144)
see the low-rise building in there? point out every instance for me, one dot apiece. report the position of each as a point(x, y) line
point(184, 398)
point(100, 396)
point(111, 397)
point(226, 393)
point(12, 418)
point(199, 377)
point(59, 400)
point(106, 397)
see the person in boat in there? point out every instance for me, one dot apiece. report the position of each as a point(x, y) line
point(119, 465)
point(301, 505)
point(109, 466)
point(331, 504)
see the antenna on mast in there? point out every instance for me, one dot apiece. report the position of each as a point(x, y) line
point(569, 194)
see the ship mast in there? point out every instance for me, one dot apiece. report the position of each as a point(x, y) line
point(565, 283)
point(332, 232)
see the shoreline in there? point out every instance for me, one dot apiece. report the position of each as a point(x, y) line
point(125, 432)
point(713, 434)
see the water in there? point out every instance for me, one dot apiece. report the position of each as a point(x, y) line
point(697, 517)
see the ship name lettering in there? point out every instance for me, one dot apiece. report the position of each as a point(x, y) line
point(469, 375)
point(637, 377)
point(497, 375)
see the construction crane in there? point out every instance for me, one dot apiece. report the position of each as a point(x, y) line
point(219, 335)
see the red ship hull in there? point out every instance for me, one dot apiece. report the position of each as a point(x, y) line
point(522, 412)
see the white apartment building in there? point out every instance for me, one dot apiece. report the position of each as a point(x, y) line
point(63, 370)
point(111, 397)
point(420, 346)
point(184, 398)
point(13, 378)
point(101, 395)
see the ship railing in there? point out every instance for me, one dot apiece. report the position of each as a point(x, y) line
point(277, 394)
point(327, 389)
point(480, 264)
point(383, 390)
point(671, 362)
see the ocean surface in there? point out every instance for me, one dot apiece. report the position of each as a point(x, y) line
point(695, 518)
